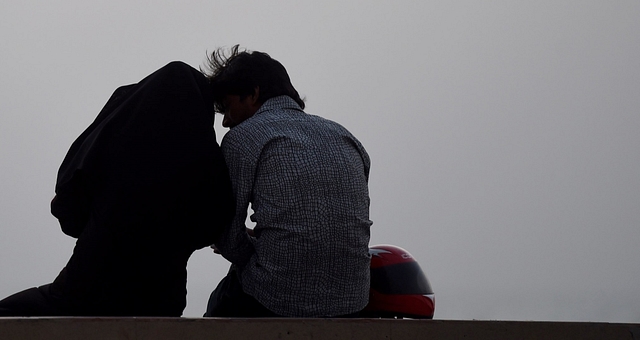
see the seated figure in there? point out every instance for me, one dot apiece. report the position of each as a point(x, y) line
point(306, 180)
point(142, 188)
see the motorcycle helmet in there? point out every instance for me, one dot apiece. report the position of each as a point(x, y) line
point(399, 287)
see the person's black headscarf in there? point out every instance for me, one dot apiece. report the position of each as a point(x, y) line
point(142, 188)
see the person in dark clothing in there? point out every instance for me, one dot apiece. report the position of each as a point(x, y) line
point(142, 188)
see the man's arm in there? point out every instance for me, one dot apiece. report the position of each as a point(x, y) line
point(235, 243)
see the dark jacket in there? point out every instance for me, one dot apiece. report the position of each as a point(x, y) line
point(143, 187)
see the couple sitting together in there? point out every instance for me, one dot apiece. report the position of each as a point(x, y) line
point(146, 184)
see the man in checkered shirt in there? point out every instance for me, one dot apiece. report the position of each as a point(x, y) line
point(306, 180)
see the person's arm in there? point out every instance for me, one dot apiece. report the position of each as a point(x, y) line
point(235, 243)
point(72, 203)
point(71, 208)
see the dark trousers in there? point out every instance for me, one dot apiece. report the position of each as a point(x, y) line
point(33, 302)
point(229, 300)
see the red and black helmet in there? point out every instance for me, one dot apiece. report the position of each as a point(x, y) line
point(399, 287)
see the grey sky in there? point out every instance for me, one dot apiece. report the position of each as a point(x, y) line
point(504, 135)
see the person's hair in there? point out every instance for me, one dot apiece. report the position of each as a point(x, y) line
point(241, 72)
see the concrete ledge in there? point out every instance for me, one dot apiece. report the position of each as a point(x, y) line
point(238, 329)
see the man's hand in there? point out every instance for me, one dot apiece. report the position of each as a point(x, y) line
point(250, 232)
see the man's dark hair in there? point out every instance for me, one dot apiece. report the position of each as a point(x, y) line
point(241, 72)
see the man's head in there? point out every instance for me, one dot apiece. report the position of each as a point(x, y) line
point(243, 80)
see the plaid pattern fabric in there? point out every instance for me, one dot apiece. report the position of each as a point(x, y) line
point(306, 180)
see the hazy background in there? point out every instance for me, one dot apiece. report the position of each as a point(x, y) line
point(504, 135)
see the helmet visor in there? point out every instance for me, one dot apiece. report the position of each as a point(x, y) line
point(400, 278)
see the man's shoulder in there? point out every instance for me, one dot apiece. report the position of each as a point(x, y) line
point(254, 130)
point(282, 117)
point(279, 121)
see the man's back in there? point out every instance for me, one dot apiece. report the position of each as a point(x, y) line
point(306, 178)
